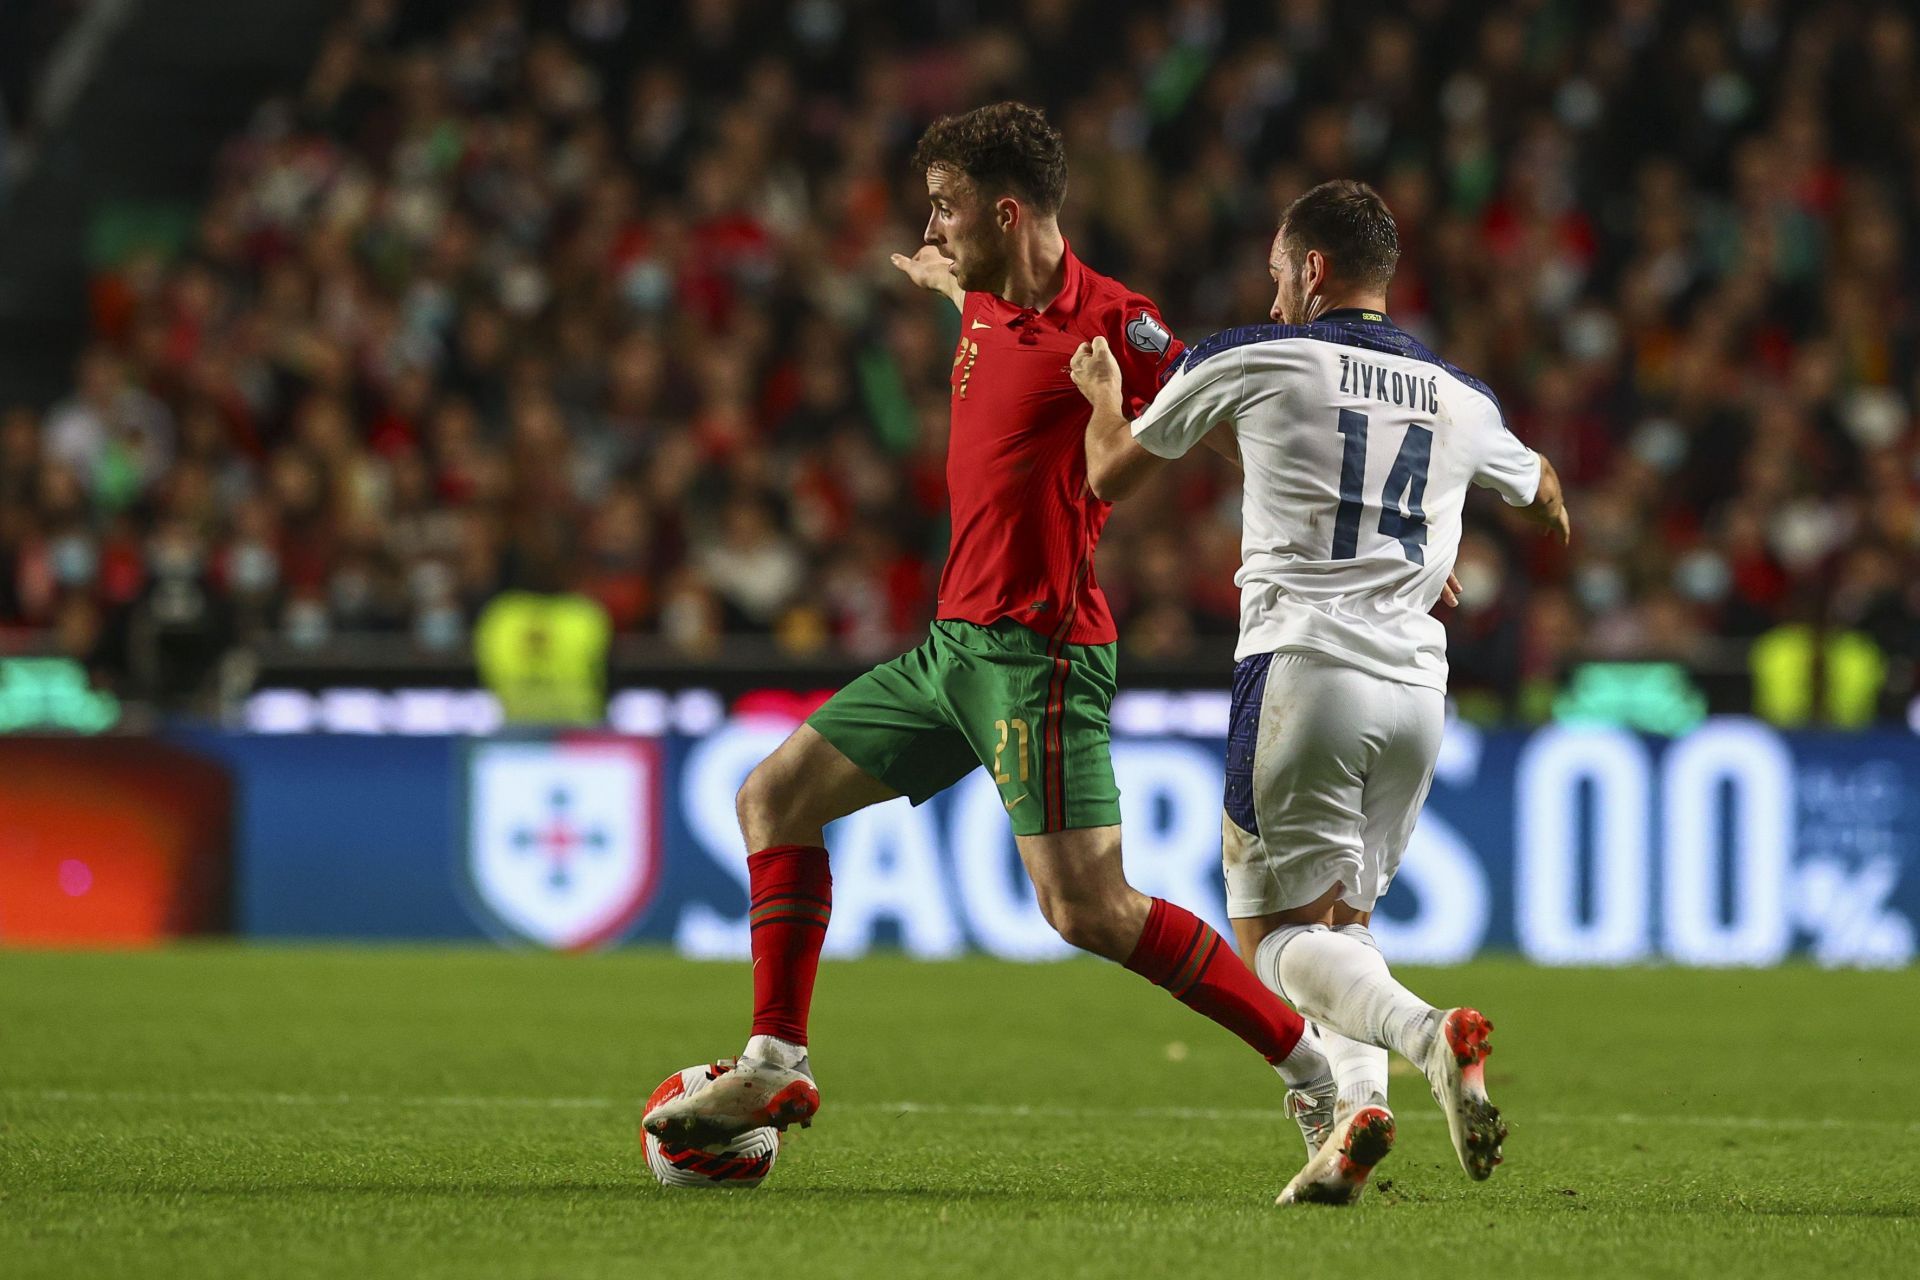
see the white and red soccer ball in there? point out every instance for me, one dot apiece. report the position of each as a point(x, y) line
point(743, 1162)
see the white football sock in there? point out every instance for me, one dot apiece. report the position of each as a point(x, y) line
point(1306, 1068)
point(1359, 1070)
point(1343, 983)
point(776, 1052)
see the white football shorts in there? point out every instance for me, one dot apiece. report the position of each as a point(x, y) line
point(1327, 767)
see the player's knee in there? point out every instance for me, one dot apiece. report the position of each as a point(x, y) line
point(1091, 924)
point(1080, 926)
point(763, 799)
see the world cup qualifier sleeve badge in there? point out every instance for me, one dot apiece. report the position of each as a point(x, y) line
point(1146, 333)
point(563, 846)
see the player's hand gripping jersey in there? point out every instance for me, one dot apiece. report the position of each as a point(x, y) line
point(1358, 445)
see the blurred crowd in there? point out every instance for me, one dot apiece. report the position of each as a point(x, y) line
point(30, 31)
point(594, 295)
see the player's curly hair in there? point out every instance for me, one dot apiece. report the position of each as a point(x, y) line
point(1350, 224)
point(1006, 148)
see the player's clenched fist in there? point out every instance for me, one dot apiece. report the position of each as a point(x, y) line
point(1096, 372)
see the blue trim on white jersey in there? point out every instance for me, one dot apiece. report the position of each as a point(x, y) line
point(1227, 339)
point(1368, 335)
point(1243, 740)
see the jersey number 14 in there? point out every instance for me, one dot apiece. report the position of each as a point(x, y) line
point(1401, 516)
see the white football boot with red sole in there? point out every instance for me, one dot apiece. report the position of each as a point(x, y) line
point(1338, 1172)
point(751, 1095)
point(1456, 1071)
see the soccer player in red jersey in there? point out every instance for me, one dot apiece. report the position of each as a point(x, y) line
point(1018, 671)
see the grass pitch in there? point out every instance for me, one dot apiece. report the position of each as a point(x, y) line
point(221, 1111)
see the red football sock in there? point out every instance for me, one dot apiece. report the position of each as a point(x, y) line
point(791, 898)
point(1181, 952)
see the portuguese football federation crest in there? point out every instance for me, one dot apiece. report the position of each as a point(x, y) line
point(563, 839)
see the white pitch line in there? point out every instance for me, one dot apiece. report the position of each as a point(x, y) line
point(1239, 1115)
point(306, 1099)
point(982, 1110)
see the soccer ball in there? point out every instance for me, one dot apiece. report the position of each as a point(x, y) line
point(743, 1162)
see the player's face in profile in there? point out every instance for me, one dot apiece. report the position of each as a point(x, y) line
point(962, 227)
point(1289, 292)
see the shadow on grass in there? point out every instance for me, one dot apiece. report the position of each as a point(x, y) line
point(424, 1187)
point(641, 1191)
point(1890, 1211)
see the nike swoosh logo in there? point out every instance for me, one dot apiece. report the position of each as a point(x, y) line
point(1011, 804)
point(981, 324)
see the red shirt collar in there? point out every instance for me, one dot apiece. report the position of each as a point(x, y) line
point(1065, 305)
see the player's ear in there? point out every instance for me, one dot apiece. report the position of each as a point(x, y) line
point(1006, 213)
point(1313, 274)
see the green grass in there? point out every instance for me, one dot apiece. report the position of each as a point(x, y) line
point(218, 1111)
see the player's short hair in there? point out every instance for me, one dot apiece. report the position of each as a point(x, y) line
point(1350, 225)
point(1005, 148)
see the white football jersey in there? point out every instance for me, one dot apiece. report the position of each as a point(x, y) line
point(1358, 445)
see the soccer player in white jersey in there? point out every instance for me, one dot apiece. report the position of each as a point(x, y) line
point(1358, 446)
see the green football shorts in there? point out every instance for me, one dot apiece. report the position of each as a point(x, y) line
point(1032, 712)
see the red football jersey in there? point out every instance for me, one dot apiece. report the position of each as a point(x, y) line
point(1025, 524)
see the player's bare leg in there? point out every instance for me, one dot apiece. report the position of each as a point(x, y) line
point(1083, 892)
point(806, 783)
point(784, 807)
point(1338, 977)
point(1085, 896)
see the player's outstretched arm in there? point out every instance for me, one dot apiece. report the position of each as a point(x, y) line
point(1549, 505)
point(1116, 464)
point(930, 270)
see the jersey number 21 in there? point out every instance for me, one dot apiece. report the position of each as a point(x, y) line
point(1401, 516)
